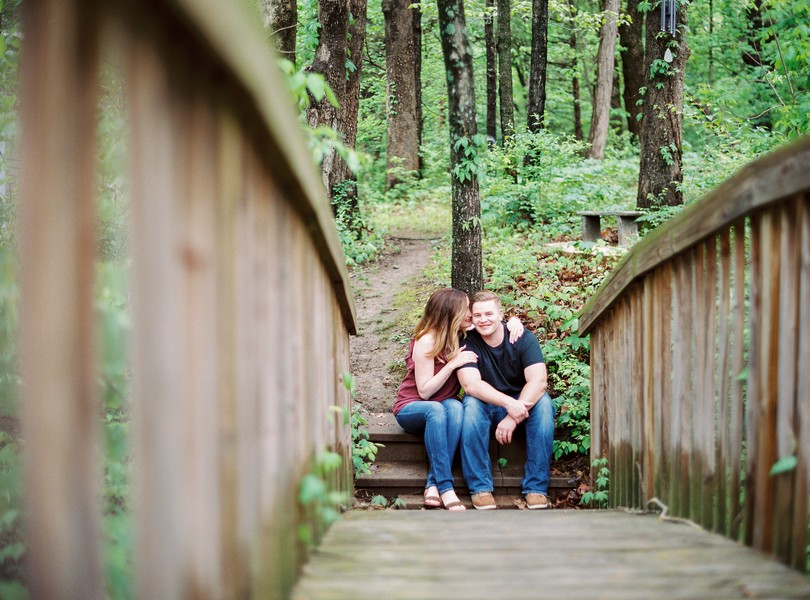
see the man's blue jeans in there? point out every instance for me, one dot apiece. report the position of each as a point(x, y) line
point(440, 422)
point(481, 418)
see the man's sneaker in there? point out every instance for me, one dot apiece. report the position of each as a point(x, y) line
point(483, 501)
point(536, 501)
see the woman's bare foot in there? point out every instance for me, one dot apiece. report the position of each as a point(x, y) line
point(451, 501)
point(432, 499)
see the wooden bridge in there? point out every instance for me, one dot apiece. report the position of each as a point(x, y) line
point(241, 317)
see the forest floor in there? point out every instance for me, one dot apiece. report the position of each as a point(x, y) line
point(387, 301)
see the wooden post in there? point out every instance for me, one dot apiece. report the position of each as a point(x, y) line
point(57, 333)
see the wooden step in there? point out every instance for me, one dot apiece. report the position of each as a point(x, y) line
point(401, 468)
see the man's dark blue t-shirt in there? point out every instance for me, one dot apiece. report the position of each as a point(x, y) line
point(502, 367)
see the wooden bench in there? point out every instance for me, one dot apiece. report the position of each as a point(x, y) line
point(625, 220)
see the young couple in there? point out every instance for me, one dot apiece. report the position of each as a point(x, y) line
point(504, 379)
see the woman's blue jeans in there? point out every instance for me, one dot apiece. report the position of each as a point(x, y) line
point(481, 418)
point(440, 422)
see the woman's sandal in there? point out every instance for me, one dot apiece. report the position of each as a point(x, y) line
point(454, 505)
point(432, 499)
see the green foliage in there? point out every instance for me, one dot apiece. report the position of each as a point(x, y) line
point(364, 451)
point(322, 503)
point(598, 498)
point(785, 464)
point(553, 182)
point(381, 502)
point(469, 152)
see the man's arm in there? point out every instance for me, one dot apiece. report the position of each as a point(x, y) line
point(535, 387)
point(536, 381)
point(470, 379)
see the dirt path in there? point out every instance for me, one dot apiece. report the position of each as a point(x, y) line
point(383, 329)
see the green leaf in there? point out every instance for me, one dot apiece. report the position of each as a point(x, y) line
point(329, 461)
point(312, 489)
point(784, 465)
point(316, 85)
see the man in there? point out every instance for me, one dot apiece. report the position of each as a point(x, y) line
point(506, 387)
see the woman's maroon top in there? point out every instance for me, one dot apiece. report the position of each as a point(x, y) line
point(408, 393)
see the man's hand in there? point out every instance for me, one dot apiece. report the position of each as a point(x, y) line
point(503, 433)
point(517, 410)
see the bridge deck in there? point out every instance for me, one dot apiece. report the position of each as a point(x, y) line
point(522, 554)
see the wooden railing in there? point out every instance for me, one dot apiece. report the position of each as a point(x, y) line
point(700, 361)
point(241, 307)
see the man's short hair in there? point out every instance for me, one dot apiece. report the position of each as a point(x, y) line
point(485, 296)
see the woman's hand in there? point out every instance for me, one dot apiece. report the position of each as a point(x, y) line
point(515, 328)
point(464, 357)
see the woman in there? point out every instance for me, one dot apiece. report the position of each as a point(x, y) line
point(427, 400)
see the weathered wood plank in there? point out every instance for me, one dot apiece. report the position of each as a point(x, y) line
point(786, 376)
point(519, 554)
point(737, 408)
point(157, 341)
point(722, 383)
point(59, 398)
point(802, 390)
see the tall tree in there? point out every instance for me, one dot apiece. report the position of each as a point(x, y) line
point(492, 74)
point(348, 113)
point(630, 32)
point(660, 173)
point(600, 116)
point(573, 44)
point(536, 108)
point(281, 20)
point(331, 62)
point(417, 75)
point(616, 117)
point(401, 90)
point(504, 47)
point(466, 271)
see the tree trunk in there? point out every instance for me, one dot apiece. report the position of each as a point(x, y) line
point(572, 42)
point(466, 271)
point(711, 43)
point(536, 108)
point(492, 75)
point(616, 118)
point(660, 172)
point(505, 71)
point(597, 136)
point(400, 56)
point(633, 65)
point(281, 20)
point(417, 78)
point(348, 114)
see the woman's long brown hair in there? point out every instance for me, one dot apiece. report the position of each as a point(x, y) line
point(444, 312)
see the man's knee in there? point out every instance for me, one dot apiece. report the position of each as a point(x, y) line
point(545, 405)
point(474, 410)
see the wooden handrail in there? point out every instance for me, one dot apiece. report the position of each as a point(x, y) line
point(780, 174)
point(700, 346)
point(241, 307)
